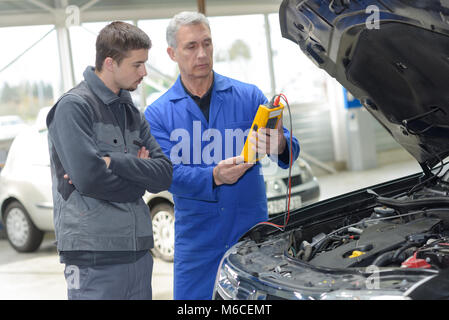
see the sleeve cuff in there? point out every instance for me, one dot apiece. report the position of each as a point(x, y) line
point(285, 155)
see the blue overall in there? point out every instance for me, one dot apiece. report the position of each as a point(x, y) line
point(208, 219)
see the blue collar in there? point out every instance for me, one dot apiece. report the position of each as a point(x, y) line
point(220, 84)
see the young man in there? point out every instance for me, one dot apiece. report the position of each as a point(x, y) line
point(100, 140)
point(197, 122)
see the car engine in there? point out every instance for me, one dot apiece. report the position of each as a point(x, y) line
point(407, 231)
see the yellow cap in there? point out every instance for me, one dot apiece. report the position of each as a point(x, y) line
point(356, 254)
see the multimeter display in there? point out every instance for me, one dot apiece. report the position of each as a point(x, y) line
point(272, 122)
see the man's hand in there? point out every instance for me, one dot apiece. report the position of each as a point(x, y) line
point(107, 160)
point(66, 176)
point(269, 141)
point(228, 171)
point(143, 153)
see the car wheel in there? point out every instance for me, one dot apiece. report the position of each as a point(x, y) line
point(163, 218)
point(21, 232)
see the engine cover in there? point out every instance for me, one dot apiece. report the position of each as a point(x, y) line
point(375, 239)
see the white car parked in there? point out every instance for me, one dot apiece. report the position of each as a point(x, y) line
point(10, 126)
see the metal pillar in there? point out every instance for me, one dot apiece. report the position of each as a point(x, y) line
point(64, 46)
point(361, 135)
point(202, 6)
point(270, 55)
point(65, 59)
point(338, 119)
point(65, 50)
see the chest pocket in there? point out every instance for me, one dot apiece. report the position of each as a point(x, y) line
point(133, 144)
point(108, 138)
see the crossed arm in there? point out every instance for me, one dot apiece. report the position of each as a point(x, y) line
point(92, 174)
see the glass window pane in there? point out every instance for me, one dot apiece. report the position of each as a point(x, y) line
point(295, 74)
point(83, 46)
point(162, 71)
point(240, 49)
point(29, 70)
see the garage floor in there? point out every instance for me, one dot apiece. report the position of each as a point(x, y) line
point(40, 275)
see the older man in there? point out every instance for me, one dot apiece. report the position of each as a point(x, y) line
point(199, 123)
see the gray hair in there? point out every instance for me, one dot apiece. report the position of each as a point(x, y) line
point(182, 19)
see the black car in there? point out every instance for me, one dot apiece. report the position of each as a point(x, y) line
point(389, 241)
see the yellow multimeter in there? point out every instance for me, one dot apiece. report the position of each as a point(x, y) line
point(267, 116)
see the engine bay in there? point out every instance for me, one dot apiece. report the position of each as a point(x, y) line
point(409, 230)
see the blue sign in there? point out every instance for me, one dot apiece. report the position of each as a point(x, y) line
point(350, 100)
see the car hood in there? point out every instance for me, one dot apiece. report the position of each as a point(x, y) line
point(392, 55)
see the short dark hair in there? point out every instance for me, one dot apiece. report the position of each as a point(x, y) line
point(116, 39)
